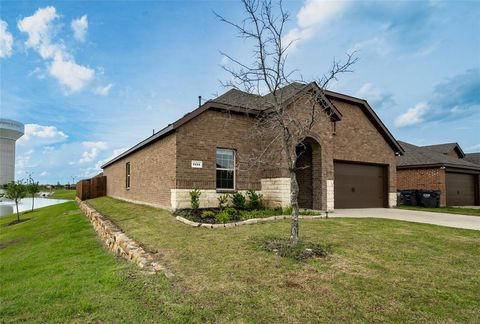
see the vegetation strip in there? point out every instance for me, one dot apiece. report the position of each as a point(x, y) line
point(245, 222)
point(117, 241)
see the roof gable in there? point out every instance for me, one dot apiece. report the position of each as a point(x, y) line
point(447, 148)
point(421, 156)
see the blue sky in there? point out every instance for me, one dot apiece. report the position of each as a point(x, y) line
point(90, 79)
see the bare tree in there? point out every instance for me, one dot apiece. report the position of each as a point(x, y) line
point(33, 188)
point(278, 126)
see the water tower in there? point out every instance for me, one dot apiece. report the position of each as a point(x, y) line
point(10, 131)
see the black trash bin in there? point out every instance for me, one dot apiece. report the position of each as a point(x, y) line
point(409, 197)
point(429, 198)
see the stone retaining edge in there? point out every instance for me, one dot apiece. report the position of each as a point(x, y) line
point(118, 242)
point(245, 222)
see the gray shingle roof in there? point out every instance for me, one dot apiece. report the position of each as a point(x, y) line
point(472, 158)
point(238, 98)
point(423, 156)
point(445, 148)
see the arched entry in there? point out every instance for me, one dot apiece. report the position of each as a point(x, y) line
point(309, 174)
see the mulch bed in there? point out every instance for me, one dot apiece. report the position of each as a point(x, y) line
point(16, 222)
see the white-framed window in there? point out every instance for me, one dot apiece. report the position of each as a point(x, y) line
point(127, 175)
point(225, 169)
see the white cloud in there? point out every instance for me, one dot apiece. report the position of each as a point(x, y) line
point(103, 91)
point(427, 50)
point(6, 40)
point(62, 66)
point(413, 115)
point(88, 156)
point(79, 27)
point(377, 45)
point(38, 73)
point(48, 149)
point(313, 15)
point(319, 12)
point(474, 147)
point(114, 154)
point(92, 152)
point(23, 162)
point(70, 74)
point(39, 30)
point(375, 96)
point(99, 145)
point(40, 134)
point(296, 35)
point(44, 174)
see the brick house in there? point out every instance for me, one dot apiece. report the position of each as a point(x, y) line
point(440, 167)
point(350, 157)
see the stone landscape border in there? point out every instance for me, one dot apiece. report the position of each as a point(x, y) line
point(245, 222)
point(118, 242)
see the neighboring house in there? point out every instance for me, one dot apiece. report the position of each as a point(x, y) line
point(472, 158)
point(439, 167)
point(350, 156)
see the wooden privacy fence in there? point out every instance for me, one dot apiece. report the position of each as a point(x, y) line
point(92, 188)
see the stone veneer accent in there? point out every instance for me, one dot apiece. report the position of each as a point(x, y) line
point(276, 191)
point(209, 198)
point(116, 241)
point(392, 199)
point(330, 195)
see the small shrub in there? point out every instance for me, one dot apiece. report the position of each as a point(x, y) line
point(287, 210)
point(223, 201)
point(238, 200)
point(302, 251)
point(222, 217)
point(207, 214)
point(233, 214)
point(255, 199)
point(195, 198)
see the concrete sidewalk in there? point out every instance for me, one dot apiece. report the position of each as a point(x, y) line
point(443, 219)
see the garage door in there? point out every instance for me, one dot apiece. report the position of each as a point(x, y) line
point(460, 189)
point(360, 185)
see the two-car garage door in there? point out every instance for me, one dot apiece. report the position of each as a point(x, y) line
point(360, 185)
point(460, 189)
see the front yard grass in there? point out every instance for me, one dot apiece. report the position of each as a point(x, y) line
point(378, 270)
point(449, 210)
point(54, 269)
point(63, 194)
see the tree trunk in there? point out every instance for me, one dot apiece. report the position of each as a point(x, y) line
point(33, 201)
point(294, 203)
point(18, 214)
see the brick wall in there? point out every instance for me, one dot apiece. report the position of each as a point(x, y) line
point(152, 174)
point(425, 178)
point(198, 140)
point(357, 139)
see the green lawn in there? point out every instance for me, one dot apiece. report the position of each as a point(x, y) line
point(63, 194)
point(449, 210)
point(380, 270)
point(54, 269)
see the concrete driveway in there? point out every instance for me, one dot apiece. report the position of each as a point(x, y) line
point(442, 219)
